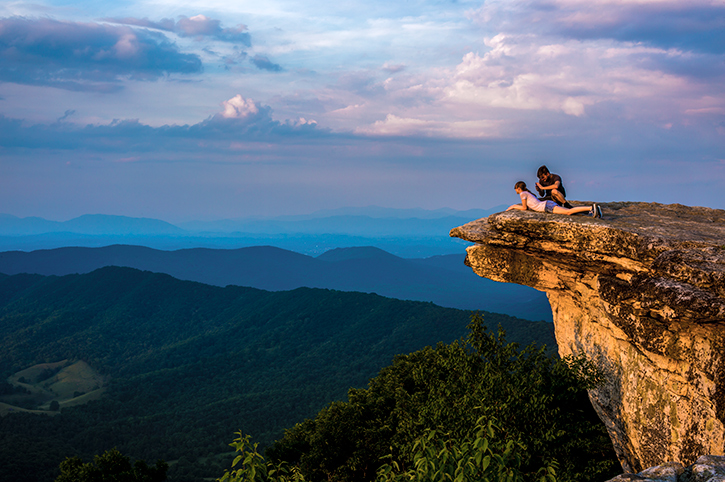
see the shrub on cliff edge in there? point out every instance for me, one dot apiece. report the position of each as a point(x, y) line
point(538, 401)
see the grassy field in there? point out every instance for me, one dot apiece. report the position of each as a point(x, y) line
point(66, 382)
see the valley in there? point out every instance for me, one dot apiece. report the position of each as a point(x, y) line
point(183, 365)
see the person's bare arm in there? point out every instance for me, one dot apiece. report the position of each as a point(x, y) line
point(548, 188)
point(519, 207)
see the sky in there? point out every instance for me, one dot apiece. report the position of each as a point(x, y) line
point(200, 111)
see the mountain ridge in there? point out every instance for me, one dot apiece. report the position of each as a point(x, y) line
point(444, 280)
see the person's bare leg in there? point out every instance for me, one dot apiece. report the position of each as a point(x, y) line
point(569, 212)
point(558, 197)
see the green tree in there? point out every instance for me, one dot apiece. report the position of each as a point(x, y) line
point(111, 466)
point(537, 400)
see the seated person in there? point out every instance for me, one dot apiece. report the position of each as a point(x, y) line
point(529, 201)
point(550, 187)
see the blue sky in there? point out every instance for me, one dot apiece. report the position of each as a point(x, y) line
point(185, 111)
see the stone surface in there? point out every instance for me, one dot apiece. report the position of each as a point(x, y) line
point(707, 468)
point(642, 293)
point(669, 472)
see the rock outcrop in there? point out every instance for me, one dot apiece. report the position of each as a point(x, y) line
point(708, 468)
point(642, 293)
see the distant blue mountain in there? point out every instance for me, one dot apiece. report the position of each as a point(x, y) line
point(15, 226)
point(443, 280)
point(408, 233)
point(346, 254)
point(120, 225)
point(91, 224)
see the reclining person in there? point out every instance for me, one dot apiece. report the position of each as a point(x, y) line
point(529, 201)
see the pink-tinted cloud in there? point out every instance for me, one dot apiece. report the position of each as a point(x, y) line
point(239, 108)
point(601, 61)
point(393, 68)
point(398, 126)
point(85, 56)
point(695, 25)
point(239, 120)
point(198, 26)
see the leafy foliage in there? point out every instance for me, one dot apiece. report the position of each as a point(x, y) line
point(476, 457)
point(539, 402)
point(250, 465)
point(111, 466)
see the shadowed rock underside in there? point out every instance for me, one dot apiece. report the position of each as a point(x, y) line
point(642, 293)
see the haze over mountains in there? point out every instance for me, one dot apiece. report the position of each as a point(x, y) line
point(407, 233)
point(400, 253)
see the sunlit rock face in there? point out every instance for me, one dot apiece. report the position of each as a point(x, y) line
point(642, 293)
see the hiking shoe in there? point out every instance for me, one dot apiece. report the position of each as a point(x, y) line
point(596, 211)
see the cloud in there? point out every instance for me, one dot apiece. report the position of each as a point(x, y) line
point(683, 38)
point(695, 25)
point(240, 119)
point(239, 108)
point(198, 26)
point(166, 24)
point(551, 65)
point(393, 68)
point(399, 126)
point(578, 79)
point(67, 114)
point(243, 118)
point(85, 56)
point(263, 63)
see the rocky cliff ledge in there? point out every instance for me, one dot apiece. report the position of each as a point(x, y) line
point(642, 293)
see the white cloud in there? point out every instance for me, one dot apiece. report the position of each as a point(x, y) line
point(239, 108)
point(400, 126)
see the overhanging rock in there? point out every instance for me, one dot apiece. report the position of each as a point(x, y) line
point(642, 293)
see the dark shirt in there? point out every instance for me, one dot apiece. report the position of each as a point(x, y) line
point(552, 180)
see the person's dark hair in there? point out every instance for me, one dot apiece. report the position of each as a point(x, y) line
point(542, 170)
point(521, 185)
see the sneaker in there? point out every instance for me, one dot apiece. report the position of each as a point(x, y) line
point(596, 211)
point(568, 205)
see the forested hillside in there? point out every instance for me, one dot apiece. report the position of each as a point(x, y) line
point(443, 280)
point(189, 364)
